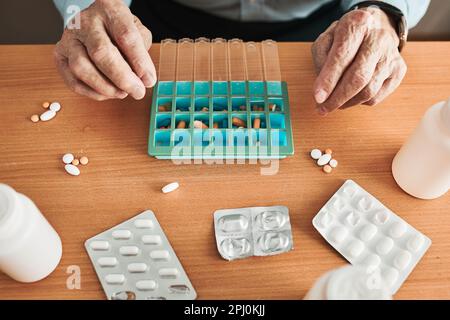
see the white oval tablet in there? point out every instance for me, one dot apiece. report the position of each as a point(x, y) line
point(146, 285)
point(115, 278)
point(333, 163)
point(367, 232)
point(99, 245)
point(72, 170)
point(397, 229)
point(384, 246)
point(324, 159)
point(170, 187)
point(338, 234)
point(47, 115)
point(129, 250)
point(151, 239)
point(168, 272)
point(160, 255)
point(402, 260)
point(143, 223)
point(121, 234)
point(137, 267)
point(68, 158)
point(316, 154)
point(107, 261)
point(55, 106)
point(355, 248)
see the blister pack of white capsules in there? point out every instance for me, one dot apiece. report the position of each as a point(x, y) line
point(367, 233)
point(255, 231)
point(135, 261)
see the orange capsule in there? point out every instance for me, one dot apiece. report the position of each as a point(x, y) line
point(239, 122)
point(257, 123)
point(46, 104)
point(181, 124)
point(161, 108)
point(35, 118)
point(75, 162)
point(215, 125)
point(328, 151)
point(327, 169)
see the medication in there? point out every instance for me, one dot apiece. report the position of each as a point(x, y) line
point(181, 124)
point(75, 162)
point(72, 170)
point(129, 268)
point(215, 125)
point(30, 249)
point(48, 115)
point(162, 108)
point(422, 166)
point(350, 283)
point(45, 105)
point(324, 159)
point(254, 231)
point(200, 125)
point(242, 108)
point(316, 154)
point(239, 122)
point(368, 234)
point(327, 168)
point(34, 118)
point(333, 163)
point(273, 107)
point(84, 160)
point(68, 158)
point(328, 151)
point(55, 106)
point(257, 123)
point(170, 187)
point(205, 109)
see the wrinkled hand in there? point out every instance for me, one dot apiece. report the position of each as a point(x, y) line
point(357, 61)
point(108, 56)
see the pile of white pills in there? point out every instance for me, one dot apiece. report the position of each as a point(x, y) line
point(52, 110)
point(71, 163)
point(324, 159)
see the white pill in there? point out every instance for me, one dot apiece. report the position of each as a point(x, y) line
point(137, 267)
point(47, 115)
point(168, 272)
point(129, 250)
point(385, 245)
point(68, 158)
point(381, 217)
point(107, 262)
point(145, 285)
point(325, 219)
point(415, 242)
point(316, 154)
point(115, 278)
point(333, 163)
point(170, 187)
point(160, 255)
point(151, 239)
point(372, 260)
point(397, 230)
point(402, 260)
point(368, 232)
point(121, 234)
point(324, 159)
point(72, 170)
point(143, 223)
point(99, 245)
point(355, 248)
point(55, 106)
point(338, 234)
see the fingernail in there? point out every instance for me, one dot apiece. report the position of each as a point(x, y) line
point(322, 111)
point(122, 95)
point(321, 96)
point(139, 92)
point(148, 80)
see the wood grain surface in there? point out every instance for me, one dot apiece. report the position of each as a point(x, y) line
point(121, 180)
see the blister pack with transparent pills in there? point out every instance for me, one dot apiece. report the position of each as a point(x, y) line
point(254, 231)
point(367, 233)
point(135, 261)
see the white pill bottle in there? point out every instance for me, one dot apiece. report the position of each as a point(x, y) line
point(422, 166)
point(30, 249)
point(350, 283)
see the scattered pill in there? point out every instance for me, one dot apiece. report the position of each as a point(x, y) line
point(48, 115)
point(327, 168)
point(46, 104)
point(205, 109)
point(84, 160)
point(72, 170)
point(328, 151)
point(68, 158)
point(200, 125)
point(34, 118)
point(316, 154)
point(239, 122)
point(324, 159)
point(333, 163)
point(170, 187)
point(75, 162)
point(257, 123)
point(181, 124)
point(55, 106)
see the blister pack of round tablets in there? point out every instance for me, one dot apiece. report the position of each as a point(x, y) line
point(135, 261)
point(367, 233)
point(255, 231)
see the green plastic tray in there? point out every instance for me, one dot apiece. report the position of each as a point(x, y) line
point(185, 101)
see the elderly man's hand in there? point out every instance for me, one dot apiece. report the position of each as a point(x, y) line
point(108, 56)
point(357, 60)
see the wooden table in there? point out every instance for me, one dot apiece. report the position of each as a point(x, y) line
point(121, 180)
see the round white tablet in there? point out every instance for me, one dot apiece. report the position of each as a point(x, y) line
point(68, 158)
point(316, 154)
point(333, 163)
point(55, 106)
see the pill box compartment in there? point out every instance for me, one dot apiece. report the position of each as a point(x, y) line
point(215, 104)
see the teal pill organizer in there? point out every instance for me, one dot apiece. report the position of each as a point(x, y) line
point(219, 118)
